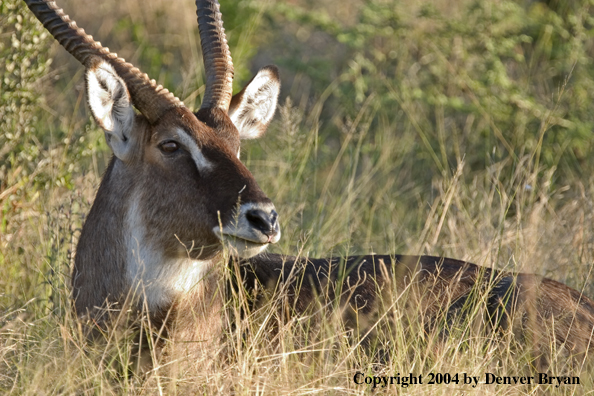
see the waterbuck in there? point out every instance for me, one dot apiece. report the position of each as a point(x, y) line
point(175, 188)
point(175, 191)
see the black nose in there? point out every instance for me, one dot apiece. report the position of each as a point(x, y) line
point(264, 221)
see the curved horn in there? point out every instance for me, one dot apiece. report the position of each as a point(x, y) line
point(218, 65)
point(150, 99)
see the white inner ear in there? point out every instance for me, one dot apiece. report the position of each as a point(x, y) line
point(111, 106)
point(257, 104)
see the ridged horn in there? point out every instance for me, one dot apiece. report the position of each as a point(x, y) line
point(218, 65)
point(150, 99)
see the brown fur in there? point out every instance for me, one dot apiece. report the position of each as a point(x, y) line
point(540, 312)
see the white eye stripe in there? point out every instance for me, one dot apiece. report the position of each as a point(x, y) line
point(201, 162)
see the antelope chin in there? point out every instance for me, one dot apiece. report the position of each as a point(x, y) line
point(245, 242)
point(242, 247)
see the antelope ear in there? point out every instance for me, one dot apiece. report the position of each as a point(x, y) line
point(111, 106)
point(252, 109)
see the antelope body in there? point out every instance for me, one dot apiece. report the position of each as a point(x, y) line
point(175, 190)
point(545, 313)
point(175, 187)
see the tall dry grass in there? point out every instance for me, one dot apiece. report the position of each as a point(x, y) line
point(396, 176)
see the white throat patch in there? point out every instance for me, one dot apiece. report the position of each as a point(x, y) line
point(158, 279)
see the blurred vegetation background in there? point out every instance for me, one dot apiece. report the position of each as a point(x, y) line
point(386, 106)
point(458, 128)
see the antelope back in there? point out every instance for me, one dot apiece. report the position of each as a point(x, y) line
point(429, 295)
point(175, 188)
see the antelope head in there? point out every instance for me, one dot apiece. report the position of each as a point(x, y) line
point(175, 189)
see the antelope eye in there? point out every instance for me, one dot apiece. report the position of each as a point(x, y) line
point(169, 146)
